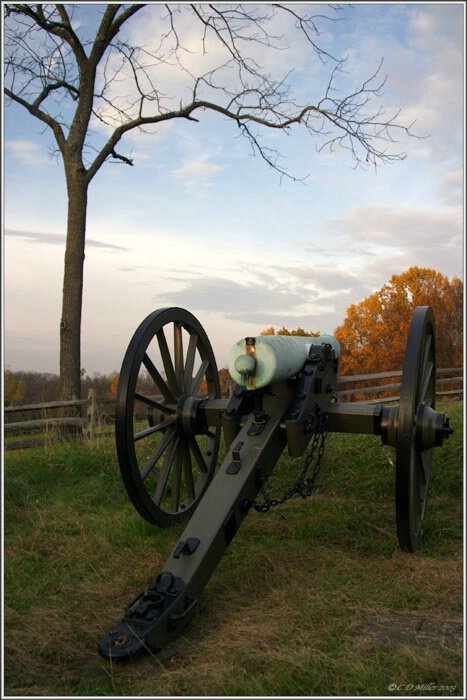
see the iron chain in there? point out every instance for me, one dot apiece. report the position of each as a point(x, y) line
point(304, 486)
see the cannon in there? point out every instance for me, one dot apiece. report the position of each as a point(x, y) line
point(169, 420)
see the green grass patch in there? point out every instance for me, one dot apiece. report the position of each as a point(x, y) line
point(312, 598)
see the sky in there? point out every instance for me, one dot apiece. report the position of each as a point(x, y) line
point(201, 223)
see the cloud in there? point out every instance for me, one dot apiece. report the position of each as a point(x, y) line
point(195, 172)
point(274, 301)
point(91, 242)
point(133, 268)
point(384, 240)
point(59, 239)
point(450, 184)
point(435, 36)
point(233, 298)
point(422, 52)
point(28, 153)
point(410, 229)
point(326, 278)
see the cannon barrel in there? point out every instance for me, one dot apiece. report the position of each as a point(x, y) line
point(256, 362)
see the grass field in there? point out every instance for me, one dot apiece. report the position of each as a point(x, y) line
point(312, 598)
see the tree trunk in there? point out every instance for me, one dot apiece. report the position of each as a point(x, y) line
point(72, 299)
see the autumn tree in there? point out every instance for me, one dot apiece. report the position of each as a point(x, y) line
point(75, 69)
point(284, 331)
point(298, 331)
point(113, 383)
point(374, 334)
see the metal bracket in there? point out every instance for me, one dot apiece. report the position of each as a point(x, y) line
point(236, 463)
point(186, 547)
point(319, 372)
point(258, 424)
point(158, 609)
point(239, 406)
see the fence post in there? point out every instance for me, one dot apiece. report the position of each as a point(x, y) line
point(91, 414)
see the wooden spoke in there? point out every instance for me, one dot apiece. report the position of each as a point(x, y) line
point(188, 471)
point(178, 355)
point(158, 380)
point(190, 363)
point(165, 473)
point(149, 401)
point(176, 483)
point(152, 429)
point(199, 378)
point(156, 455)
point(168, 363)
point(198, 455)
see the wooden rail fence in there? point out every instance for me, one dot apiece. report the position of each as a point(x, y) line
point(92, 414)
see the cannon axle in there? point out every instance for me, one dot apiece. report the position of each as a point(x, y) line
point(431, 427)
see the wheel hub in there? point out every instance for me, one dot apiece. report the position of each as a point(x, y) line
point(190, 418)
point(430, 427)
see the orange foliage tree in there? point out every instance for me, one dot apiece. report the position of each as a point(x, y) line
point(114, 383)
point(283, 331)
point(373, 336)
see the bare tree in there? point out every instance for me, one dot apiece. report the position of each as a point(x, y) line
point(83, 87)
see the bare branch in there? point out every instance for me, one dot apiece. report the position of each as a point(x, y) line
point(42, 116)
point(124, 159)
point(236, 88)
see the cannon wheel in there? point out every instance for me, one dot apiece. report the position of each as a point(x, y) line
point(413, 465)
point(165, 465)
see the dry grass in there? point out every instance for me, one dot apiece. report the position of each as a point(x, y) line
point(295, 608)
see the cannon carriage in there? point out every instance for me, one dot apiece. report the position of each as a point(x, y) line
point(170, 419)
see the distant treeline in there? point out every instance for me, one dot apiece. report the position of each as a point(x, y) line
point(23, 388)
